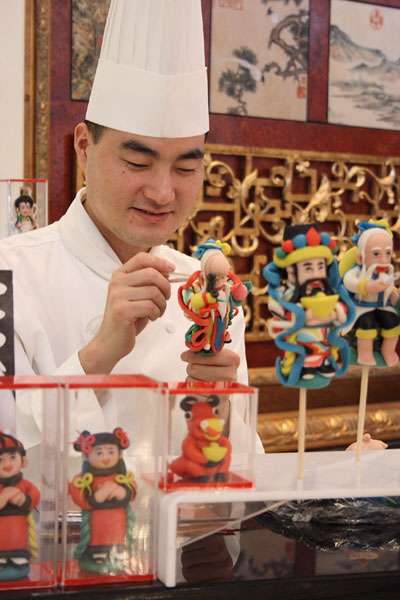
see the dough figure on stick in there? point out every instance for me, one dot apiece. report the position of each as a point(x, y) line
point(309, 308)
point(368, 274)
point(210, 298)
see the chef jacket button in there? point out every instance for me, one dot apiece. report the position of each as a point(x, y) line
point(170, 327)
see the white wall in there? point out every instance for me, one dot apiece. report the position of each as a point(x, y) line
point(12, 24)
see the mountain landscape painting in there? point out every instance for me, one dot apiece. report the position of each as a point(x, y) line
point(364, 65)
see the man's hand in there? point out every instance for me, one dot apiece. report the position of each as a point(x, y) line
point(138, 293)
point(211, 367)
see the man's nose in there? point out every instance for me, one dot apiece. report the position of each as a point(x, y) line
point(161, 188)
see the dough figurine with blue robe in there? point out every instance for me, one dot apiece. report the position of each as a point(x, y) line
point(309, 308)
point(210, 298)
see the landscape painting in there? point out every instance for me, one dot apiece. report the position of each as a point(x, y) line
point(364, 65)
point(259, 58)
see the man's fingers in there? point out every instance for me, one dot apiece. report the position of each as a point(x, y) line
point(211, 367)
point(147, 277)
point(144, 259)
point(221, 359)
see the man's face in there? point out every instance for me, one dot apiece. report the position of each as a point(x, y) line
point(104, 456)
point(378, 250)
point(10, 464)
point(139, 189)
point(311, 268)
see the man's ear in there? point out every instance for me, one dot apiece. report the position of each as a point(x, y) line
point(25, 462)
point(82, 137)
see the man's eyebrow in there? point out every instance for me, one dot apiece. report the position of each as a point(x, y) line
point(137, 146)
point(190, 154)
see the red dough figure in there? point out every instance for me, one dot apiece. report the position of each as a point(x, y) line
point(103, 490)
point(17, 498)
point(206, 453)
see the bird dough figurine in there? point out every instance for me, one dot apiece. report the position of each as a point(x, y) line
point(210, 298)
point(104, 490)
point(206, 452)
point(18, 497)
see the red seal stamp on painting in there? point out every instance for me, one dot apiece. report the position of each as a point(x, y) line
point(234, 4)
point(376, 19)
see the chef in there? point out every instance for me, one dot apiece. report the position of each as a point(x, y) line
point(93, 292)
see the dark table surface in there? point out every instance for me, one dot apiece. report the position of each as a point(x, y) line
point(276, 562)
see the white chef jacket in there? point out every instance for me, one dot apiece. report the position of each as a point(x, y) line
point(60, 279)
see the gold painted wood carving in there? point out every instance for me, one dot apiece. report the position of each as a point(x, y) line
point(327, 427)
point(250, 194)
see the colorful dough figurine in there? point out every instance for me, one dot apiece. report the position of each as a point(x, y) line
point(210, 298)
point(104, 490)
point(309, 307)
point(368, 274)
point(18, 497)
point(206, 453)
point(25, 208)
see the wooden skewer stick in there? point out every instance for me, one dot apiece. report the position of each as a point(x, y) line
point(176, 277)
point(361, 410)
point(302, 432)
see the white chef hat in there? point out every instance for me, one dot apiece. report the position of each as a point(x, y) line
point(151, 77)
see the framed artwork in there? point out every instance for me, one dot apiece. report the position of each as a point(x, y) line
point(364, 65)
point(88, 21)
point(259, 58)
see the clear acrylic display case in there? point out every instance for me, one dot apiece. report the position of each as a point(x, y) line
point(209, 436)
point(29, 460)
point(111, 445)
point(23, 205)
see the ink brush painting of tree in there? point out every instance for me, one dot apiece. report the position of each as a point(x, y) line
point(263, 73)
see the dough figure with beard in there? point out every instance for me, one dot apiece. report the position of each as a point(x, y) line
point(368, 274)
point(309, 308)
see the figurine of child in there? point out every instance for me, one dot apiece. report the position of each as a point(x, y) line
point(104, 490)
point(25, 208)
point(18, 497)
point(210, 298)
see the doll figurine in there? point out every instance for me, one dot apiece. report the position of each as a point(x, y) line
point(25, 208)
point(18, 497)
point(104, 490)
point(206, 452)
point(210, 298)
point(309, 307)
point(368, 274)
